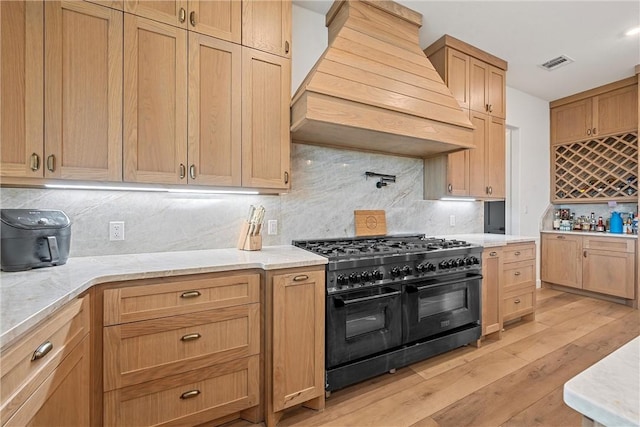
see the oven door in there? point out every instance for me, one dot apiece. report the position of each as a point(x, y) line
point(431, 307)
point(362, 322)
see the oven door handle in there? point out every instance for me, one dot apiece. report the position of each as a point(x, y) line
point(412, 288)
point(342, 302)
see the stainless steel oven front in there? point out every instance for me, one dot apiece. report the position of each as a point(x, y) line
point(434, 306)
point(361, 322)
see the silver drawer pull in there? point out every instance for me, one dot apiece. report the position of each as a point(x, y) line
point(301, 278)
point(517, 273)
point(517, 301)
point(42, 350)
point(493, 253)
point(190, 294)
point(517, 253)
point(190, 337)
point(189, 394)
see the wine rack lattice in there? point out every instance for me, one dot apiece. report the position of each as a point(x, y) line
point(597, 169)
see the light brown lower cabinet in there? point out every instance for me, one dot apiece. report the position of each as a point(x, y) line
point(519, 275)
point(294, 353)
point(606, 265)
point(492, 292)
point(45, 376)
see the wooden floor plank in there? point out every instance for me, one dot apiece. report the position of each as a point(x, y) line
point(550, 411)
point(555, 301)
point(562, 314)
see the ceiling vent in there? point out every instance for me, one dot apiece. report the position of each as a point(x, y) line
point(556, 63)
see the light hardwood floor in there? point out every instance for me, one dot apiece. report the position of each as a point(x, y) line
point(516, 381)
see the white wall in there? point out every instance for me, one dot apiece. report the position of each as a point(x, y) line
point(528, 118)
point(309, 40)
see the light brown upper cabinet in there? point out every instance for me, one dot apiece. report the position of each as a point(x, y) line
point(266, 26)
point(21, 88)
point(155, 102)
point(478, 82)
point(266, 141)
point(61, 116)
point(609, 110)
point(220, 18)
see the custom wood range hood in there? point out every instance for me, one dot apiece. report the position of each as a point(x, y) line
point(374, 89)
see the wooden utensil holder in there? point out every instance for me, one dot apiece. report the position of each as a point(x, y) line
point(247, 242)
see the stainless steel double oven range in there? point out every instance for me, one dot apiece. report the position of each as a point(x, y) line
point(395, 300)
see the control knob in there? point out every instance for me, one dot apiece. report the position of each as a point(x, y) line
point(475, 260)
point(468, 261)
point(459, 262)
point(395, 272)
point(341, 280)
point(443, 265)
point(365, 276)
point(406, 270)
point(354, 277)
point(377, 275)
point(430, 267)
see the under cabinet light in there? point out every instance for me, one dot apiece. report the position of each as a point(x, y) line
point(633, 31)
point(457, 199)
point(151, 189)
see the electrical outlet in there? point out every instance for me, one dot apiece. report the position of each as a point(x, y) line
point(452, 220)
point(272, 227)
point(116, 230)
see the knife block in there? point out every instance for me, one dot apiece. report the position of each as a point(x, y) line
point(247, 242)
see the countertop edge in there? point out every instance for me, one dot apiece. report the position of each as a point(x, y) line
point(593, 234)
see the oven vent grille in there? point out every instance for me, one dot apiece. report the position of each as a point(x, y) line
point(557, 62)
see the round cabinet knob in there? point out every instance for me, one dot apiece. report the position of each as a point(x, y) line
point(354, 277)
point(341, 280)
point(395, 272)
point(406, 270)
point(443, 265)
point(377, 274)
point(365, 276)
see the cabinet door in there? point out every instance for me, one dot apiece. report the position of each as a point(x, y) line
point(266, 93)
point(491, 291)
point(478, 91)
point(266, 26)
point(458, 76)
point(214, 111)
point(83, 91)
point(172, 12)
point(477, 186)
point(21, 88)
point(571, 122)
point(616, 111)
point(607, 272)
point(495, 169)
point(155, 102)
point(561, 261)
point(220, 19)
point(298, 338)
point(458, 173)
point(63, 397)
point(497, 94)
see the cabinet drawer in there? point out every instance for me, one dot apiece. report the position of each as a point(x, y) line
point(519, 274)
point(55, 338)
point(142, 351)
point(155, 298)
point(615, 244)
point(519, 252)
point(191, 398)
point(518, 305)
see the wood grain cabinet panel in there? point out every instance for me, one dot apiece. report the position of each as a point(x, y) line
point(220, 19)
point(519, 281)
point(492, 278)
point(83, 91)
point(571, 122)
point(152, 349)
point(266, 140)
point(616, 111)
point(189, 398)
point(155, 102)
point(172, 12)
point(561, 259)
point(266, 26)
point(215, 79)
point(42, 372)
point(22, 89)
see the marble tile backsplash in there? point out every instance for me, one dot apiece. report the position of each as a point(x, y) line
point(327, 186)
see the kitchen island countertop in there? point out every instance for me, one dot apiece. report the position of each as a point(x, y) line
point(608, 392)
point(28, 297)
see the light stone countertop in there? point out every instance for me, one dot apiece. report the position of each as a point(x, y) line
point(608, 392)
point(591, 233)
point(28, 297)
point(490, 240)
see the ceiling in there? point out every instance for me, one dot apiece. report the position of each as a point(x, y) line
point(529, 33)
